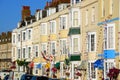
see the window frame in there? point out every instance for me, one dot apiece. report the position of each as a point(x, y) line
point(43, 28)
point(106, 36)
point(63, 46)
point(89, 39)
point(51, 47)
point(61, 22)
point(52, 28)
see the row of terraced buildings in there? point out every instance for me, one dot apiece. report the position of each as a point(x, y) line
point(73, 39)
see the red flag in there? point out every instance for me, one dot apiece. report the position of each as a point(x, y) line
point(31, 64)
point(13, 65)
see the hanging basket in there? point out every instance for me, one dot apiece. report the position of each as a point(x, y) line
point(67, 73)
point(78, 74)
point(54, 70)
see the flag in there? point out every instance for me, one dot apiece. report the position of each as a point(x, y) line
point(31, 64)
point(13, 65)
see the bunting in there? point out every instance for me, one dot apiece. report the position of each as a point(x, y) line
point(31, 64)
point(47, 57)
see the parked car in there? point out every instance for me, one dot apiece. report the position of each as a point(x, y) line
point(26, 77)
point(40, 78)
point(54, 79)
point(15, 75)
point(6, 77)
point(3, 74)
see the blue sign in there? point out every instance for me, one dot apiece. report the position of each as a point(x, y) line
point(109, 54)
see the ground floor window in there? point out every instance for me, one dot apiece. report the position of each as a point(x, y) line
point(91, 70)
point(108, 64)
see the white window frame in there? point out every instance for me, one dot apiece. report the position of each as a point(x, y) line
point(36, 52)
point(78, 37)
point(19, 52)
point(29, 53)
point(44, 47)
point(63, 46)
point(43, 28)
point(36, 69)
point(14, 38)
point(24, 54)
point(51, 48)
point(61, 22)
point(23, 36)
point(29, 35)
point(108, 64)
point(106, 37)
point(75, 10)
point(53, 28)
point(89, 41)
point(19, 37)
point(90, 72)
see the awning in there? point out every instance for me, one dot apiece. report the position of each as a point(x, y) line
point(39, 66)
point(75, 57)
point(57, 65)
point(74, 30)
point(82, 66)
point(98, 64)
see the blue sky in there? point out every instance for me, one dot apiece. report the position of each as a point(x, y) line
point(10, 12)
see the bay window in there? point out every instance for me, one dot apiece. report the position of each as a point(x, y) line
point(109, 36)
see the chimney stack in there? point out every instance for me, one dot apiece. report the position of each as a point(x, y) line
point(25, 12)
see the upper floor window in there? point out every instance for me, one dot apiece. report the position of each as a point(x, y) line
point(19, 52)
point(91, 41)
point(109, 36)
point(75, 45)
point(44, 47)
point(63, 22)
point(53, 48)
point(43, 29)
point(63, 46)
point(24, 52)
point(29, 34)
point(75, 1)
point(14, 38)
point(36, 48)
point(93, 14)
point(75, 18)
point(29, 52)
point(52, 27)
point(24, 36)
point(19, 37)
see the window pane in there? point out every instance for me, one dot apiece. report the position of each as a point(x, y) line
point(75, 44)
